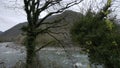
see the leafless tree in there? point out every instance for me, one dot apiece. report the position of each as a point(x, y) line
point(33, 9)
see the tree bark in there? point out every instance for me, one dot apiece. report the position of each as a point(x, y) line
point(30, 46)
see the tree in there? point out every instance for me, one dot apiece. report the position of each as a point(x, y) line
point(33, 9)
point(99, 36)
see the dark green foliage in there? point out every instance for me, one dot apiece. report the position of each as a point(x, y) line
point(99, 37)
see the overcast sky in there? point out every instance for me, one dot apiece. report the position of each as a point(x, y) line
point(11, 13)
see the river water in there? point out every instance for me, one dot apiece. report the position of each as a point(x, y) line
point(50, 57)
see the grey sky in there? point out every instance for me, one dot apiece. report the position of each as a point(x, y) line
point(9, 17)
point(11, 13)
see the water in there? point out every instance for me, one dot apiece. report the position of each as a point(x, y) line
point(61, 58)
point(10, 54)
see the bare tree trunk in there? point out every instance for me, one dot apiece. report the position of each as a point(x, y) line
point(30, 46)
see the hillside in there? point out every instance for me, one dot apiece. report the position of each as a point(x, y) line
point(70, 17)
point(0, 32)
point(12, 33)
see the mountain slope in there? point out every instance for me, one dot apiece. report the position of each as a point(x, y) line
point(12, 33)
point(1, 32)
point(69, 18)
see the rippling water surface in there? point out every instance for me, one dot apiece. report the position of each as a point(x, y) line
point(11, 53)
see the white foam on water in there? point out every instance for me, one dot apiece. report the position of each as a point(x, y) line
point(79, 64)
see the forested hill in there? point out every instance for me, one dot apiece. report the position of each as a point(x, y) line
point(69, 17)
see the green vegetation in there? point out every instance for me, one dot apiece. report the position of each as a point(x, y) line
point(99, 36)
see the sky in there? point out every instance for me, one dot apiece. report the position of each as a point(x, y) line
point(9, 17)
point(12, 13)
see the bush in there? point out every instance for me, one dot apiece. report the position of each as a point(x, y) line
point(99, 37)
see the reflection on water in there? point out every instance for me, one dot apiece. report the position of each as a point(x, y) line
point(49, 57)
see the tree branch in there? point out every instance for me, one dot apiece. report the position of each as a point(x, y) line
point(58, 11)
point(43, 46)
point(61, 44)
point(56, 40)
